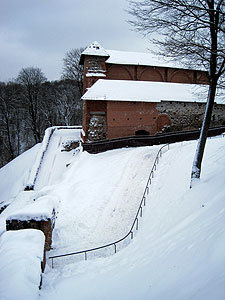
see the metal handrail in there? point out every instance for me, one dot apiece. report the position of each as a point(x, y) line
point(139, 211)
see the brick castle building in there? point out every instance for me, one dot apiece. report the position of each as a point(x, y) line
point(128, 93)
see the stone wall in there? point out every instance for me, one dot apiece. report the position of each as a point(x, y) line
point(94, 68)
point(189, 115)
point(93, 110)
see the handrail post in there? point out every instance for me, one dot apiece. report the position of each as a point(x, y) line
point(85, 255)
point(137, 224)
point(115, 247)
point(52, 263)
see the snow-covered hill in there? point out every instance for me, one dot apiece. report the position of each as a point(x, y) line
point(178, 252)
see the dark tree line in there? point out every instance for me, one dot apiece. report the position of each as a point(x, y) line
point(30, 104)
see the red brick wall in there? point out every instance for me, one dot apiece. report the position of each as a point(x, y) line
point(125, 118)
point(160, 74)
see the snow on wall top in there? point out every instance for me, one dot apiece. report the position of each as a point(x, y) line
point(42, 209)
point(145, 91)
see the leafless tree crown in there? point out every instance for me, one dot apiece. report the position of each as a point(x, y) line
point(72, 69)
point(185, 30)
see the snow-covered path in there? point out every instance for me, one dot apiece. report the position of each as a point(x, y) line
point(54, 162)
point(100, 195)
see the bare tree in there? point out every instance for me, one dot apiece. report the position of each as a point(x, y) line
point(31, 80)
point(10, 125)
point(68, 103)
point(6, 115)
point(72, 69)
point(191, 32)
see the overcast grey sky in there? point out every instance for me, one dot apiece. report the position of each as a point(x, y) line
point(38, 33)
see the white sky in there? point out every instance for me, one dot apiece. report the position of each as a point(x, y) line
point(38, 33)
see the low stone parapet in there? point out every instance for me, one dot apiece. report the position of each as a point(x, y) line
point(38, 215)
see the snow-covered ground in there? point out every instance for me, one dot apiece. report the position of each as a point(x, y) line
point(99, 191)
point(21, 253)
point(178, 252)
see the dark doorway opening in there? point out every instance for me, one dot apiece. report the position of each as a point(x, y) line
point(141, 132)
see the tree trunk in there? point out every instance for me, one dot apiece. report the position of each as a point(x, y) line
point(196, 168)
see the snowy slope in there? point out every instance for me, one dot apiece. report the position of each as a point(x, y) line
point(178, 252)
point(14, 175)
point(99, 191)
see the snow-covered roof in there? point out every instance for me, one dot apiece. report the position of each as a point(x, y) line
point(128, 58)
point(94, 49)
point(145, 91)
point(137, 58)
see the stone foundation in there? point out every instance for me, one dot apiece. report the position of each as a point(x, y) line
point(46, 226)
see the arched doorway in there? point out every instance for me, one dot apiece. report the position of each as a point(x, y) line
point(141, 132)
